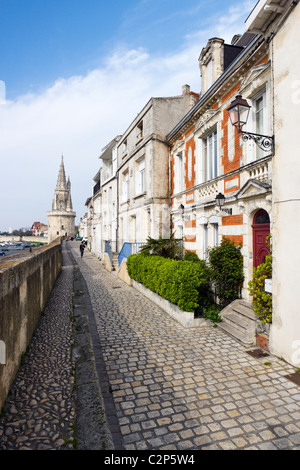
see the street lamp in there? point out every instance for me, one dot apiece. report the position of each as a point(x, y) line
point(239, 112)
point(220, 200)
point(181, 209)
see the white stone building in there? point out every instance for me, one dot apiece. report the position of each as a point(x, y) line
point(109, 195)
point(143, 169)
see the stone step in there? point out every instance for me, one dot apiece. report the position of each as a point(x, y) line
point(239, 321)
point(115, 261)
point(245, 309)
point(236, 334)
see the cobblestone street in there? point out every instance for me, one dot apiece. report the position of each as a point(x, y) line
point(164, 387)
point(178, 388)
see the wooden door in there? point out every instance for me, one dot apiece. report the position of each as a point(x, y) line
point(261, 230)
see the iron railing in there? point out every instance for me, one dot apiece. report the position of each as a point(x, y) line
point(129, 248)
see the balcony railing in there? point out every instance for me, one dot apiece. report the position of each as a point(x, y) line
point(260, 170)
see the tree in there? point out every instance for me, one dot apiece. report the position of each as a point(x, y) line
point(166, 247)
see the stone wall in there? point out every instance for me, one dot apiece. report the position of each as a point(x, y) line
point(28, 238)
point(26, 281)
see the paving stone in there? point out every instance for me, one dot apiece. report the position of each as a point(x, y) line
point(168, 387)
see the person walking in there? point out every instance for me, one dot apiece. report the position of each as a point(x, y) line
point(81, 248)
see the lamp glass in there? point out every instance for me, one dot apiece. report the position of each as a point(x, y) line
point(220, 199)
point(238, 112)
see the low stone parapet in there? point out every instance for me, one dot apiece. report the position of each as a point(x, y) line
point(186, 319)
point(26, 281)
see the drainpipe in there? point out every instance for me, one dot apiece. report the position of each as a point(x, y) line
point(117, 229)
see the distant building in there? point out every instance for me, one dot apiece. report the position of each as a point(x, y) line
point(61, 220)
point(38, 229)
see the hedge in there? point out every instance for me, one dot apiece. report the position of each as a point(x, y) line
point(175, 280)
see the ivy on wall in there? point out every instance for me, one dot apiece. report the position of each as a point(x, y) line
point(262, 300)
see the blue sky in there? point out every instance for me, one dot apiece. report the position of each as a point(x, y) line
point(74, 74)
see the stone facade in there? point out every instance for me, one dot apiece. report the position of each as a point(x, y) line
point(143, 166)
point(131, 190)
point(61, 220)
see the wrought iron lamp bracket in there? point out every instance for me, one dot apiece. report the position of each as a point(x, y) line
point(265, 143)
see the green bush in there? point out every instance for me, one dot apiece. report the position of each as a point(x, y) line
point(262, 301)
point(191, 256)
point(212, 313)
point(226, 264)
point(178, 281)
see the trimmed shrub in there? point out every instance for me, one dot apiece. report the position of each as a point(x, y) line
point(178, 281)
point(191, 256)
point(226, 263)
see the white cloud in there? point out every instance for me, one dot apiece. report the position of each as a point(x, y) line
point(77, 117)
point(2, 92)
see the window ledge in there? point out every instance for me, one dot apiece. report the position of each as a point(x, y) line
point(140, 195)
point(125, 202)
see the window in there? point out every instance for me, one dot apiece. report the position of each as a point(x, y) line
point(125, 186)
point(140, 186)
point(215, 234)
point(210, 155)
point(205, 241)
point(258, 123)
point(109, 199)
point(178, 173)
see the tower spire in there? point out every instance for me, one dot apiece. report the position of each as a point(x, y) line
point(61, 180)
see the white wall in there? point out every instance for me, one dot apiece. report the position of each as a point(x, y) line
point(285, 331)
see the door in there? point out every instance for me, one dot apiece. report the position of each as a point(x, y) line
point(261, 230)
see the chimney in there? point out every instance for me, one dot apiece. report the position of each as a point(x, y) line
point(186, 89)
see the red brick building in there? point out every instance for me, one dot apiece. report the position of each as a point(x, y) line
point(209, 156)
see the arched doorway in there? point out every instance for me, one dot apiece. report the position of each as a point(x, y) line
point(261, 230)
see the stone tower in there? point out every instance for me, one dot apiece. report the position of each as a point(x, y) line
point(61, 220)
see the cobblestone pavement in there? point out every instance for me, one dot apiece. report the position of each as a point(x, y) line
point(175, 388)
point(163, 386)
point(39, 411)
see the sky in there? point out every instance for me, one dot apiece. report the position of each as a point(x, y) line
point(74, 74)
